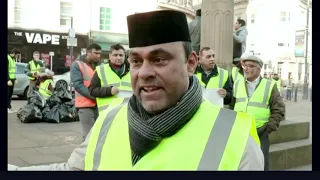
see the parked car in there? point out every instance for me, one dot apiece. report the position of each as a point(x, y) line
point(62, 79)
point(21, 89)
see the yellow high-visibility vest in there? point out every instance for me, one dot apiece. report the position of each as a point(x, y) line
point(109, 78)
point(235, 74)
point(215, 81)
point(219, 143)
point(33, 69)
point(44, 88)
point(258, 104)
point(278, 83)
point(12, 67)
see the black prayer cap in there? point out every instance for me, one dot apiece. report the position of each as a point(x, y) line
point(157, 27)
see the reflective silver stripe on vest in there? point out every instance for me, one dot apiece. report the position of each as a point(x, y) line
point(103, 75)
point(85, 72)
point(102, 108)
point(127, 84)
point(236, 88)
point(241, 100)
point(264, 103)
point(126, 91)
point(218, 140)
point(44, 90)
point(221, 74)
point(104, 132)
point(236, 74)
point(115, 84)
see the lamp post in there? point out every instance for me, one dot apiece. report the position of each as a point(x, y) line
point(70, 36)
point(306, 73)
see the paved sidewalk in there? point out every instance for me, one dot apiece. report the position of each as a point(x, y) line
point(44, 143)
point(40, 143)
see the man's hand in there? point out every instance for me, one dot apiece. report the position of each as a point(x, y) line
point(9, 83)
point(114, 90)
point(222, 92)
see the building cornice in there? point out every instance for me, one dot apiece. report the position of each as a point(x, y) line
point(187, 10)
point(236, 3)
point(240, 2)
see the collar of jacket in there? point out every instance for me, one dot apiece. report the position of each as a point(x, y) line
point(213, 72)
point(241, 28)
point(91, 64)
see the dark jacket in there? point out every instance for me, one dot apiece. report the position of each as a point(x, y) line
point(27, 70)
point(77, 78)
point(239, 42)
point(227, 86)
point(277, 109)
point(95, 86)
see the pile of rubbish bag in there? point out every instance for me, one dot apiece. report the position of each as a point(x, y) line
point(57, 108)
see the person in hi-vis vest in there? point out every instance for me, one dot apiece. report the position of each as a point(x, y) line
point(260, 98)
point(112, 79)
point(166, 124)
point(237, 71)
point(12, 56)
point(81, 73)
point(45, 82)
point(32, 70)
point(213, 77)
point(277, 79)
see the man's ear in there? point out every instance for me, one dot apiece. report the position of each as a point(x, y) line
point(109, 55)
point(192, 63)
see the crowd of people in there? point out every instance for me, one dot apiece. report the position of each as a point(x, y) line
point(150, 113)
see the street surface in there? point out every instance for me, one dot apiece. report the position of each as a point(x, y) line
point(40, 143)
point(44, 143)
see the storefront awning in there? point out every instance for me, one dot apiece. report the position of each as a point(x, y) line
point(107, 39)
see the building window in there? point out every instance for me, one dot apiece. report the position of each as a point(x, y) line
point(105, 19)
point(253, 18)
point(66, 12)
point(284, 16)
point(17, 11)
point(281, 44)
point(65, 21)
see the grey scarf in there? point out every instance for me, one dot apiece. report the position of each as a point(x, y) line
point(146, 131)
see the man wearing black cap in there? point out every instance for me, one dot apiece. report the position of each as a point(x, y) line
point(166, 124)
point(259, 97)
point(195, 31)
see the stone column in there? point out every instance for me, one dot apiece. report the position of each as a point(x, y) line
point(217, 29)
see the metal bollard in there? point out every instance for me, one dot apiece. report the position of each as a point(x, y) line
point(296, 94)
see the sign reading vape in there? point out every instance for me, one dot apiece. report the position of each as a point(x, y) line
point(44, 39)
point(39, 38)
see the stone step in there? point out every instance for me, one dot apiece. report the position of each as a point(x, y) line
point(290, 131)
point(301, 168)
point(292, 154)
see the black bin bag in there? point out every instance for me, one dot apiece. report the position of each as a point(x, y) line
point(35, 98)
point(53, 100)
point(29, 114)
point(63, 93)
point(51, 115)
